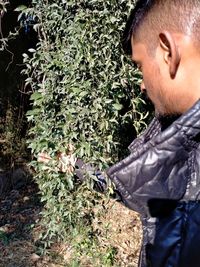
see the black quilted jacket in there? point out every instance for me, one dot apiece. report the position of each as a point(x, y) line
point(161, 180)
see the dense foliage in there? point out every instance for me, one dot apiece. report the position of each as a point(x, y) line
point(84, 97)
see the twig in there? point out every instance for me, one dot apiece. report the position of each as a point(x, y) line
point(4, 42)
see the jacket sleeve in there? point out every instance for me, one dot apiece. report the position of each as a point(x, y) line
point(100, 183)
point(158, 169)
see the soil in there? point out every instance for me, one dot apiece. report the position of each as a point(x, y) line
point(19, 212)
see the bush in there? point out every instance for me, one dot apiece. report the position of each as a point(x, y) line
point(84, 94)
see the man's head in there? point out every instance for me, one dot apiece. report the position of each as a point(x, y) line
point(163, 37)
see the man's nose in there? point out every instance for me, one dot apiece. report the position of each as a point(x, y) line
point(142, 87)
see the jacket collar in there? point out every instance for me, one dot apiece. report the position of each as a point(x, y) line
point(160, 124)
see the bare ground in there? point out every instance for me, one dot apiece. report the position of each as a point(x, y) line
point(118, 228)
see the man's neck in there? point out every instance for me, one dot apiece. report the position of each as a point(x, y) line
point(167, 120)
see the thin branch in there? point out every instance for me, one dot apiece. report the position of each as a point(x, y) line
point(3, 40)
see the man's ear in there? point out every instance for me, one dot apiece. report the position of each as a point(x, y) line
point(171, 52)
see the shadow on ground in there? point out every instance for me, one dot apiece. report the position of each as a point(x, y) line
point(19, 211)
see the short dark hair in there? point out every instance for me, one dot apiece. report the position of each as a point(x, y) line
point(135, 18)
point(177, 15)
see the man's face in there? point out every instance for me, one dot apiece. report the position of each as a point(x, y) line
point(155, 80)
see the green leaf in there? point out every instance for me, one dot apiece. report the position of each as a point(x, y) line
point(20, 8)
point(117, 106)
point(35, 111)
point(36, 96)
point(31, 50)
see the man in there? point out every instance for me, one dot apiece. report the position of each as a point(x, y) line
point(161, 177)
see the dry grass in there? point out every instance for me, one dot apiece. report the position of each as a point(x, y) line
point(123, 232)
